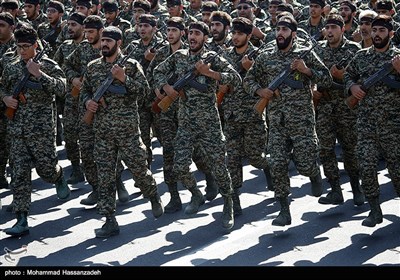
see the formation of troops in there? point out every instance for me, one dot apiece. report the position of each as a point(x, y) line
point(216, 82)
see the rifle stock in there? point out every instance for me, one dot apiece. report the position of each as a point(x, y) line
point(165, 103)
point(261, 104)
point(75, 90)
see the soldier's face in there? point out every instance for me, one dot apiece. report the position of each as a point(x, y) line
point(110, 16)
point(53, 15)
point(333, 33)
point(272, 10)
point(108, 46)
point(240, 39)
point(92, 35)
point(380, 36)
point(217, 30)
point(244, 11)
point(173, 35)
point(26, 50)
point(346, 13)
point(196, 40)
point(82, 9)
point(30, 10)
point(174, 11)
point(315, 10)
point(145, 31)
point(283, 37)
point(365, 28)
point(5, 30)
point(74, 29)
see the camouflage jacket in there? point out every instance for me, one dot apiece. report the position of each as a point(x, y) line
point(5, 47)
point(62, 53)
point(44, 30)
point(37, 114)
point(197, 107)
point(238, 104)
point(333, 56)
point(268, 65)
point(381, 102)
point(120, 118)
point(75, 64)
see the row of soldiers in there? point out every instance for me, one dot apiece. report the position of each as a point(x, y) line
point(193, 82)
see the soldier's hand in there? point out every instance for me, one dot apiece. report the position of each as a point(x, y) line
point(118, 73)
point(10, 102)
point(247, 63)
point(299, 65)
point(357, 92)
point(357, 35)
point(223, 88)
point(76, 82)
point(170, 91)
point(92, 105)
point(34, 68)
point(265, 93)
point(148, 55)
point(159, 94)
point(258, 33)
point(396, 63)
point(336, 73)
point(202, 68)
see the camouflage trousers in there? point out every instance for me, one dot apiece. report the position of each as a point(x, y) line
point(297, 141)
point(27, 150)
point(245, 140)
point(386, 140)
point(146, 122)
point(212, 146)
point(133, 153)
point(4, 143)
point(335, 121)
point(71, 128)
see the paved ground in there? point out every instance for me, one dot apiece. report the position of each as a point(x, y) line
point(62, 233)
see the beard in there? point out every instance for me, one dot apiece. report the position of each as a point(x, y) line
point(219, 36)
point(108, 53)
point(240, 44)
point(285, 43)
point(382, 43)
point(197, 48)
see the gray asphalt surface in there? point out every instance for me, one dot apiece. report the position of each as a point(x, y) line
point(62, 233)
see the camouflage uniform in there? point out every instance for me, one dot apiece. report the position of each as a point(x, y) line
point(74, 67)
point(291, 114)
point(32, 130)
point(70, 113)
point(116, 131)
point(38, 20)
point(199, 122)
point(4, 139)
point(144, 101)
point(245, 130)
point(378, 120)
point(336, 121)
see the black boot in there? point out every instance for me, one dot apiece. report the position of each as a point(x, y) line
point(195, 202)
point(110, 228)
point(92, 197)
point(316, 185)
point(211, 187)
point(123, 195)
point(237, 209)
point(157, 206)
point(21, 226)
point(375, 216)
point(3, 182)
point(76, 175)
point(358, 194)
point(284, 217)
point(63, 191)
point(335, 196)
point(175, 204)
point(227, 214)
point(268, 177)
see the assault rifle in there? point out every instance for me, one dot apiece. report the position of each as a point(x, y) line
point(335, 85)
point(379, 75)
point(187, 79)
point(20, 88)
point(106, 85)
point(144, 62)
point(280, 79)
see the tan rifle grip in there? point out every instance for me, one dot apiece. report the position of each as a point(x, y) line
point(260, 105)
point(88, 117)
point(165, 103)
point(75, 90)
point(351, 101)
